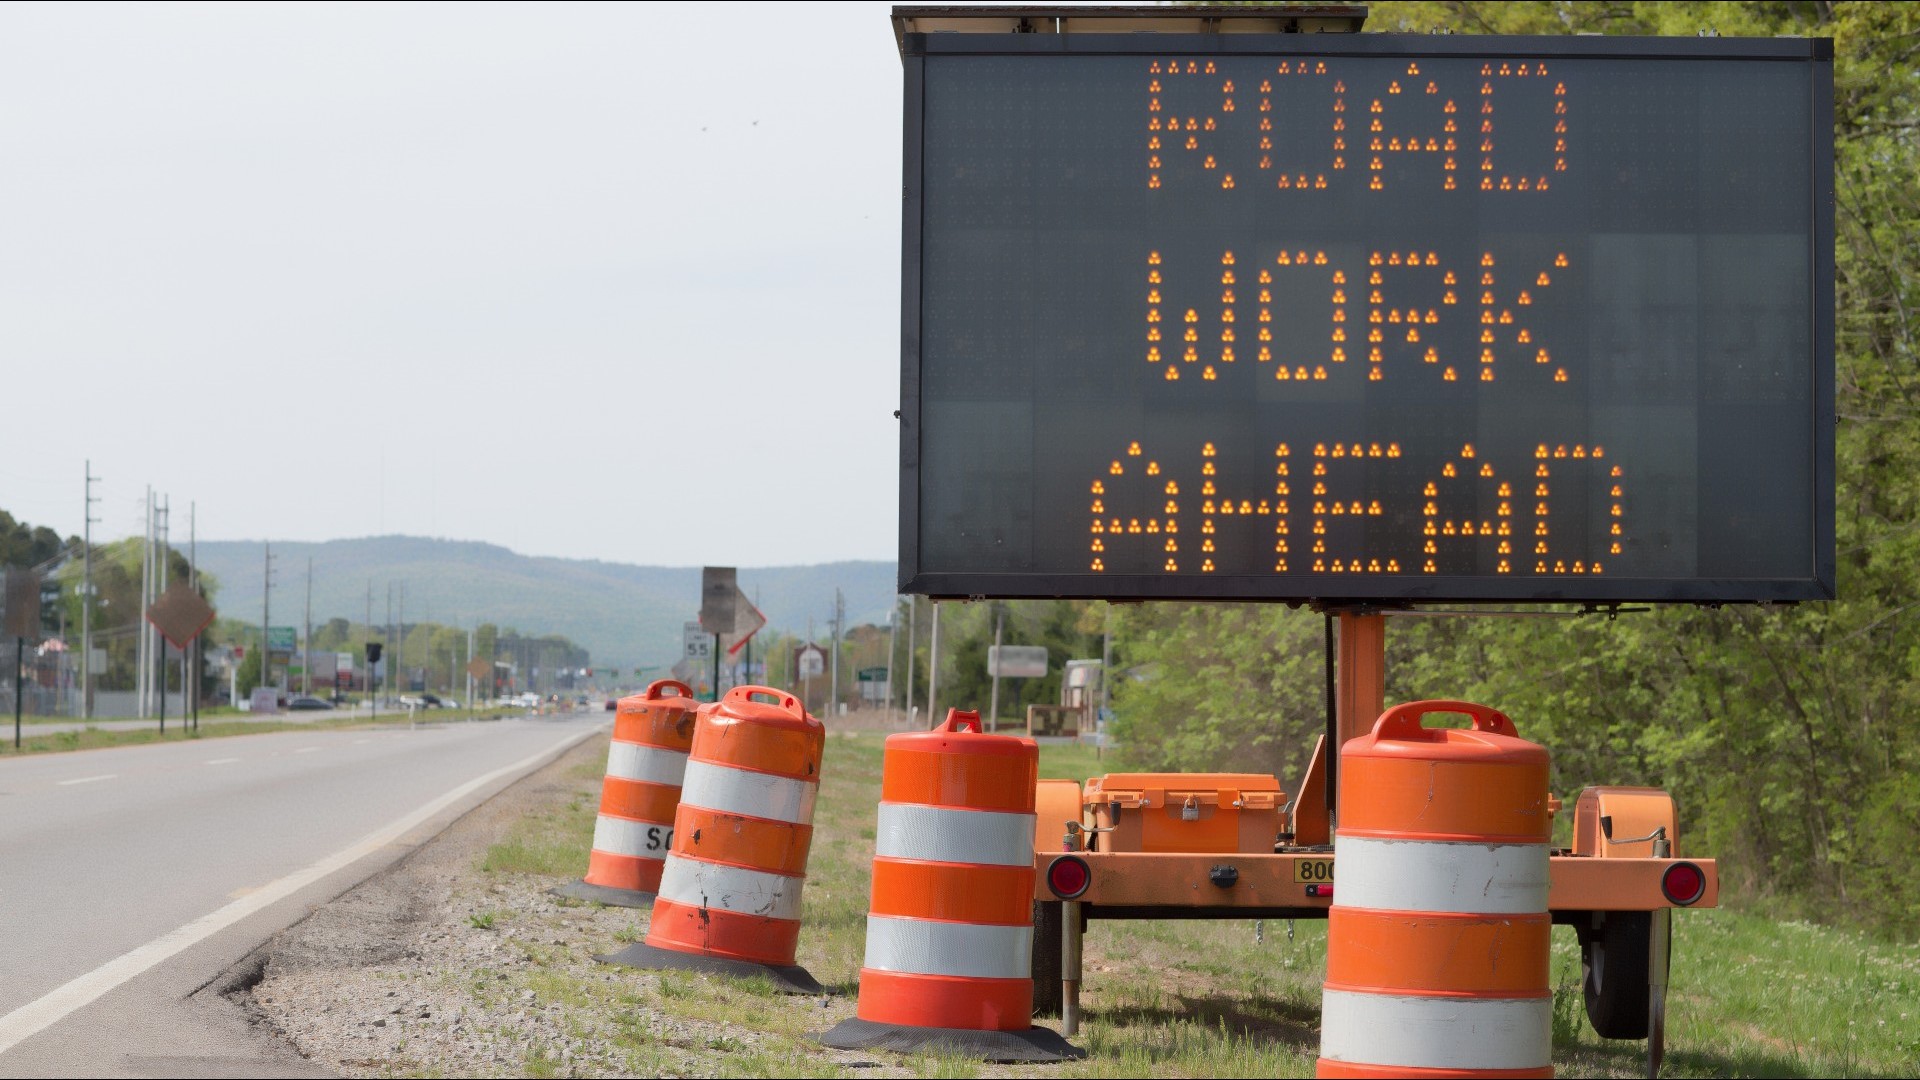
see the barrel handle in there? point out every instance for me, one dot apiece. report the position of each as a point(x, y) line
point(780, 698)
point(658, 689)
point(961, 720)
point(1403, 721)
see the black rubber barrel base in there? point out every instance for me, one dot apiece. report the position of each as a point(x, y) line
point(789, 979)
point(604, 894)
point(1032, 1046)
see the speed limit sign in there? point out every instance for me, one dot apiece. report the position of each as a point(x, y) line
point(697, 643)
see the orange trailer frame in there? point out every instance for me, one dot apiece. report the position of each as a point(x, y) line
point(1615, 885)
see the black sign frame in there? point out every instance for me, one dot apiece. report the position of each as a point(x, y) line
point(1818, 583)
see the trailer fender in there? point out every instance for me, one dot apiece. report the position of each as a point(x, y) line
point(1619, 822)
point(1055, 803)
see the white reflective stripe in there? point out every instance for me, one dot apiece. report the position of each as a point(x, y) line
point(730, 888)
point(739, 791)
point(913, 831)
point(649, 764)
point(636, 839)
point(1426, 875)
point(968, 950)
point(1436, 1033)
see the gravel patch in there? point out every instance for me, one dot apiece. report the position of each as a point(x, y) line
point(435, 967)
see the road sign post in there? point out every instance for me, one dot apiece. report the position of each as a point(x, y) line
point(719, 593)
point(373, 657)
point(180, 614)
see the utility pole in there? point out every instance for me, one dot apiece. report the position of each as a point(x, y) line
point(366, 679)
point(393, 652)
point(999, 622)
point(266, 622)
point(193, 580)
point(159, 639)
point(86, 602)
point(469, 662)
point(306, 669)
point(893, 634)
point(839, 616)
point(140, 625)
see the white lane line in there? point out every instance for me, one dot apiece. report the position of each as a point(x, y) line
point(222, 760)
point(306, 750)
point(357, 742)
point(36, 1016)
point(89, 779)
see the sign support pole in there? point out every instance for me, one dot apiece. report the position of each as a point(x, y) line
point(1362, 690)
point(19, 674)
point(716, 667)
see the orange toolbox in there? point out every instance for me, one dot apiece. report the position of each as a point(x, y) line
point(1185, 812)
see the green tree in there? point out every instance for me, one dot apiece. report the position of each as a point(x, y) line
point(24, 545)
point(117, 615)
point(486, 646)
point(247, 676)
point(1067, 629)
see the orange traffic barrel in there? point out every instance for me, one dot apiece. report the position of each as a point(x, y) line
point(1437, 940)
point(949, 958)
point(729, 895)
point(652, 732)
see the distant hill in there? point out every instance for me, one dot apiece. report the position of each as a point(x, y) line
point(624, 614)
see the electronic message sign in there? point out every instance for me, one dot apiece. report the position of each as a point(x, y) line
point(1367, 317)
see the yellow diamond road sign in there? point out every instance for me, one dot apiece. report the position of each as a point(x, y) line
point(180, 614)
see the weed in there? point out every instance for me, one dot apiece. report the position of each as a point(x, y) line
point(757, 986)
point(481, 921)
point(1568, 1001)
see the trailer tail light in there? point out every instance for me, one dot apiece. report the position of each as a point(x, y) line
point(1684, 883)
point(1069, 876)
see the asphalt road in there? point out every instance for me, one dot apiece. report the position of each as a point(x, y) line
point(131, 876)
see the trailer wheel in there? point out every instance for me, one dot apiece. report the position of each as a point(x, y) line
point(1047, 922)
point(1614, 961)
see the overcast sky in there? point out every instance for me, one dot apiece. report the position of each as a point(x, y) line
point(590, 281)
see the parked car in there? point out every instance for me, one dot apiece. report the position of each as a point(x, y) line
point(612, 705)
point(308, 704)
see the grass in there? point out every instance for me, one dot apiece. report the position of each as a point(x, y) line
point(1749, 996)
point(555, 840)
point(95, 738)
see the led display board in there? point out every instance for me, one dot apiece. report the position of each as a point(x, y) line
point(1367, 317)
